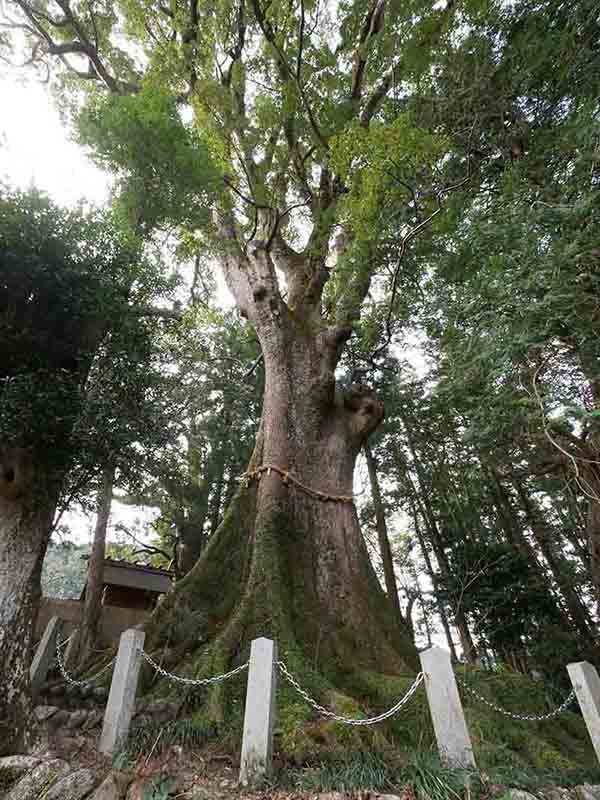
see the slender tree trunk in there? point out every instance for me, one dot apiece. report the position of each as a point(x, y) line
point(27, 507)
point(92, 606)
point(572, 524)
point(435, 584)
point(215, 501)
point(409, 614)
point(417, 508)
point(385, 550)
point(426, 621)
point(190, 526)
point(468, 646)
point(192, 539)
point(593, 535)
point(543, 536)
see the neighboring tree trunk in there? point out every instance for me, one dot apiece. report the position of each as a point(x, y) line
point(385, 550)
point(432, 576)
point(543, 536)
point(192, 539)
point(190, 519)
point(468, 646)
point(215, 501)
point(572, 521)
point(92, 607)
point(27, 507)
point(289, 560)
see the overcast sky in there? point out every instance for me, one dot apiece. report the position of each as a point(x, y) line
point(35, 147)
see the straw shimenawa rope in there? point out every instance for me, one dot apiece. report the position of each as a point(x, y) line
point(287, 477)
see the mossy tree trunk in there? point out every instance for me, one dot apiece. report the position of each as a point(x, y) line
point(288, 562)
point(27, 506)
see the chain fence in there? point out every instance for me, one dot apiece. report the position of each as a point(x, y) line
point(325, 712)
point(347, 720)
point(191, 681)
point(70, 680)
point(525, 717)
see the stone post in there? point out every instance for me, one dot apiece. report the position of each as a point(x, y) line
point(121, 698)
point(71, 649)
point(586, 683)
point(259, 716)
point(46, 650)
point(451, 733)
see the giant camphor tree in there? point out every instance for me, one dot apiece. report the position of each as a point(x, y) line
point(279, 96)
point(301, 121)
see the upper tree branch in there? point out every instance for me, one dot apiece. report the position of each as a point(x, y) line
point(371, 26)
point(379, 92)
point(81, 45)
point(287, 72)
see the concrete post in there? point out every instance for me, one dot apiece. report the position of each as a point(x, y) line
point(71, 648)
point(121, 698)
point(451, 733)
point(586, 683)
point(46, 650)
point(259, 716)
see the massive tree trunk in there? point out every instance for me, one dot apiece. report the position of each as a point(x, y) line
point(92, 606)
point(27, 506)
point(289, 560)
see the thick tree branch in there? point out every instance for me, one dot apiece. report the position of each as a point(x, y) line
point(82, 45)
point(371, 26)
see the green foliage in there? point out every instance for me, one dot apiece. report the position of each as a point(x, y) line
point(159, 788)
point(64, 280)
point(166, 170)
point(376, 163)
point(357, 771)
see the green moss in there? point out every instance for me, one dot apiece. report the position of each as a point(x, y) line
point(7, 778)
point(245, 586)
point(501, 741)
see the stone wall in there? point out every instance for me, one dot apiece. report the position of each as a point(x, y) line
point(113, 622)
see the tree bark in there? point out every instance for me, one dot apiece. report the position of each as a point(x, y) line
point(27, 506)
point(385, 550)
point(92, 607)
point(289, 560)
point(215, 501)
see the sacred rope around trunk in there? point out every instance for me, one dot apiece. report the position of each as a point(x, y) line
point(287, 477)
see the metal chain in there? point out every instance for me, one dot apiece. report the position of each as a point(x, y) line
point(191, 681)
point(346, 720)
point(68, 678)
point(527, 717)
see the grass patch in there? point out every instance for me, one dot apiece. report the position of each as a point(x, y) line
point(530, 780)
point(425, 776)
point(423, 773)
point(357, 771)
